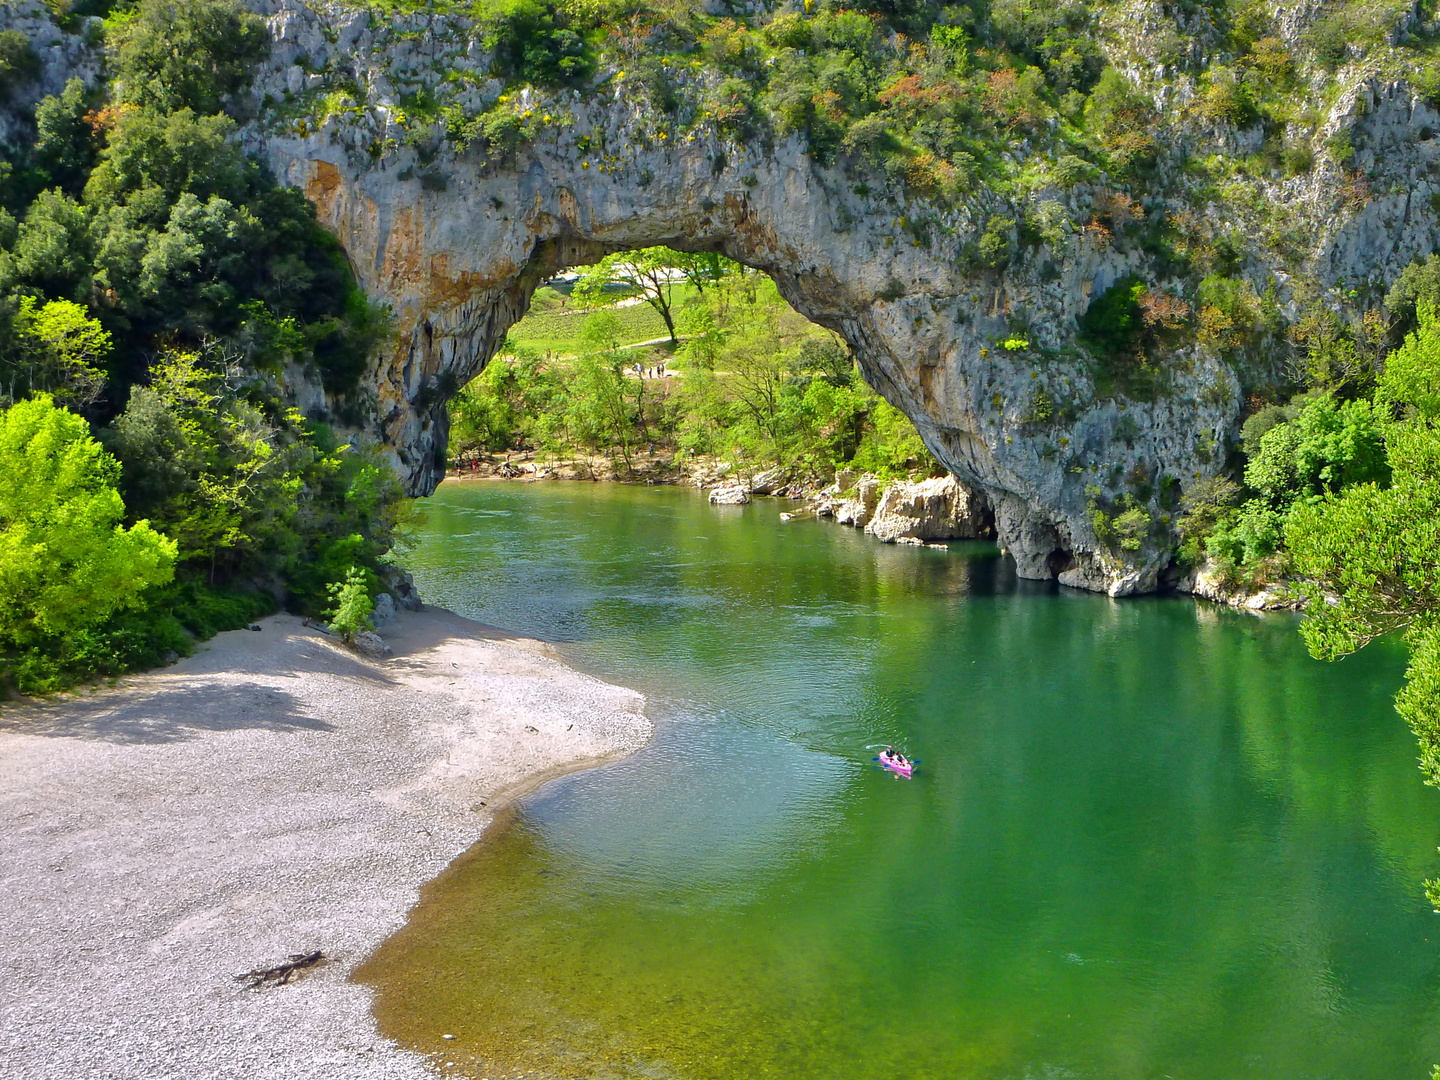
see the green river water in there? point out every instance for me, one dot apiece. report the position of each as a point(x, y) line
point(1147, 839)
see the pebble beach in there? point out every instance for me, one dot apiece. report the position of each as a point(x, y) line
point(272, 797)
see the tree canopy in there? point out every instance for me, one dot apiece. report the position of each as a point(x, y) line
point(651, 274)
point(1371, 552)
point(158, 283)
point(66, 561)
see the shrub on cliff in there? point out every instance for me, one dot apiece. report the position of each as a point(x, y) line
point(177, 54)
point(18, 62)
point(1113, 323)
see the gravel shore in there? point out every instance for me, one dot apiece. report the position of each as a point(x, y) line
point(274, 795)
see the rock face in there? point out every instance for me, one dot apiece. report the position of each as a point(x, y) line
point(935, 509)
point(984, 359)
point(729, 495)
point(1207, 583)
point(858, 509)
point(384, 613)
point(457, 242)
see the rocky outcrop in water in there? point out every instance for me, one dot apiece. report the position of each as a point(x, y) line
point(859, 507)
point(729, 495)
point(936, 509)
point(1208, 583)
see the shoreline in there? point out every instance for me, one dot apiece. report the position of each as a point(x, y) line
point(272, 796)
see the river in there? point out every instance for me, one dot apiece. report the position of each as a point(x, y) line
point(1146, 838)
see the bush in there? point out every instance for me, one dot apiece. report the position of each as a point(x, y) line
point(1299, 159)
point(1112, 324)
point(1255, 427)
point(534, 43)
point(195, 54)
point(997, 242)
point(351, 605)
point(65, 146)
point(1226, 99)
point(1120, 116)
point(172, 619)
point(1202, 507)
point(66, 563)
point(1417, 286)
point(1242, 542)
point(1071, 170)
point(1329, 41)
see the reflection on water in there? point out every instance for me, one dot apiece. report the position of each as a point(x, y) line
point(1146, 838)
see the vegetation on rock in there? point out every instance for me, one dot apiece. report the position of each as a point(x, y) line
point(157, 289)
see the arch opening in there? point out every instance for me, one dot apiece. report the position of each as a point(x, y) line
point(660, 363)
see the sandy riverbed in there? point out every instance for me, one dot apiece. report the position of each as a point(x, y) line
point(272, 795)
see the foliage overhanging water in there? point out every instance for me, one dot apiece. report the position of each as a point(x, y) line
point(1147, 838)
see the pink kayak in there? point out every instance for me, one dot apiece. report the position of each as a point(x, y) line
point(904, 768)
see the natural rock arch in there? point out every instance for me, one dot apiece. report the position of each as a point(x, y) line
point(456, 242)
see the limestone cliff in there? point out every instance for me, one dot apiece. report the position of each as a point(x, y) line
point(983, 359)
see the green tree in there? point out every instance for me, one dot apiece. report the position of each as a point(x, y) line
point(1411, 383)
point(208, 467)
point(1371, 554)
point(65, 145)
point(652, 274)
point(1417, 287)
point(66, 561)
point(350, 604)
point(60, 348)
point(176, 153)
point(195, 54)
point(1329, 445)
point(599, 412)
point(54, 249)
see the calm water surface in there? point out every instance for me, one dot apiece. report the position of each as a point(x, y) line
point(1147, 839)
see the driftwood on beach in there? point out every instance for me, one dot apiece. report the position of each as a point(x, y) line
point(280, 974)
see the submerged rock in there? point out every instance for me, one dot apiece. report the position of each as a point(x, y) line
point(937, 509)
